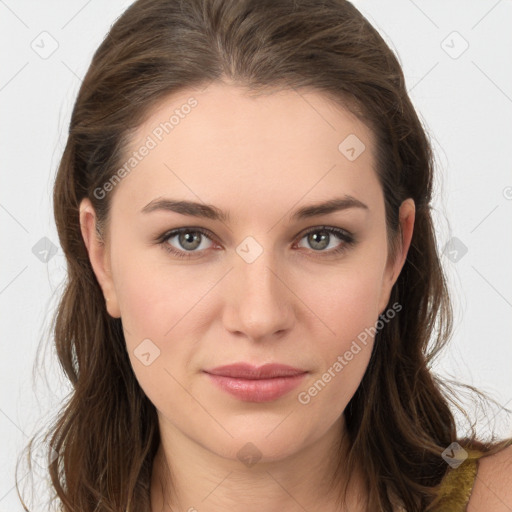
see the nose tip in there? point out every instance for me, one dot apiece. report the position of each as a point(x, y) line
point(260, 302)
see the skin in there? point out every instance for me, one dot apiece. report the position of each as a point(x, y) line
point(260, 158)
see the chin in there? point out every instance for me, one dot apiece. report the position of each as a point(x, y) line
point(252, 445)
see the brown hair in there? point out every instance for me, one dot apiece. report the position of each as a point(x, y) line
point(106, 435)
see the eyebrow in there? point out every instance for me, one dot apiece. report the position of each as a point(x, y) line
point(209, 211)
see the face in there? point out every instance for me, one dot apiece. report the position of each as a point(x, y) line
point(271, 281)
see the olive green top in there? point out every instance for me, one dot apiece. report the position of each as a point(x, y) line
point(457, 484)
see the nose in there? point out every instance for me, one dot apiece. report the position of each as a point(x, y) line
point(259, 303)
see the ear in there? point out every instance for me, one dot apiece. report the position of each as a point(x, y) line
point(406, 215)
point(99, 256)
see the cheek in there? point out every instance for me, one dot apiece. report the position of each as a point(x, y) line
point(165, 304)
point(153, 295)
point(347, 301)
point(157, 310)
point(348, 308)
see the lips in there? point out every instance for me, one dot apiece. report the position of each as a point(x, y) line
point(247, 371)
point(256, 384)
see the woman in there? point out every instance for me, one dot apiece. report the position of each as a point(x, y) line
point(244, 205)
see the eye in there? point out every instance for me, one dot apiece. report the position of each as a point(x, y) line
point(322, 237)
point(187, 240)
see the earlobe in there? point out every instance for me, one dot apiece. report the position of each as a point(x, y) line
point(406, 218)
point(98, 256)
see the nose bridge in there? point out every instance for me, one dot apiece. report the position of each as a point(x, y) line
point(260, 305)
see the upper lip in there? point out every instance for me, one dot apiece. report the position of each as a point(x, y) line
point(248, 371)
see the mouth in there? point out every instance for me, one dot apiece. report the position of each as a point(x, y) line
point(256, 384)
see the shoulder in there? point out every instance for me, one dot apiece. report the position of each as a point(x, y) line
point(492, 489)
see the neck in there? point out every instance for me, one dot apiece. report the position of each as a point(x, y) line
point(189, 477)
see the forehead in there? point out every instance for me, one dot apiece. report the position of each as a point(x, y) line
point(224, 143)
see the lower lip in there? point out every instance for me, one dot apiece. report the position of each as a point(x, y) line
point(257, 390)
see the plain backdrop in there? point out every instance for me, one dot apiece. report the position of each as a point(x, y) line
point(456, 56)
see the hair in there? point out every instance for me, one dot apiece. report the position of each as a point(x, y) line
point(106, 434)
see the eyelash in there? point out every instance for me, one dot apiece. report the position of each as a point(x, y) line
point(345, 236)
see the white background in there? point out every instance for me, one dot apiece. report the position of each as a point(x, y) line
point(464, 99)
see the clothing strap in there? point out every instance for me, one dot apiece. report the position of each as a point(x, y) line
point(457, 485)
